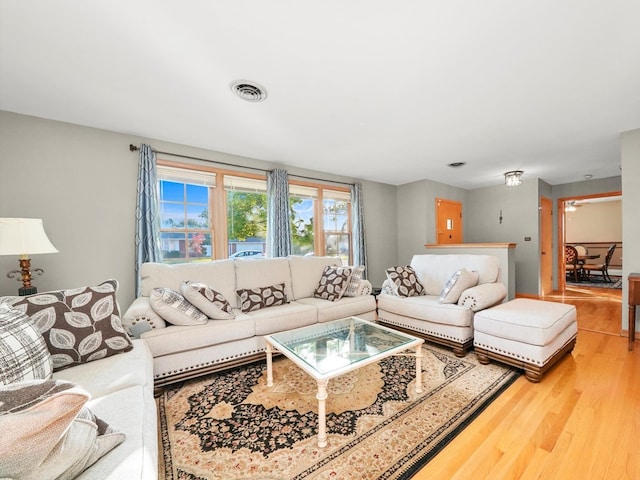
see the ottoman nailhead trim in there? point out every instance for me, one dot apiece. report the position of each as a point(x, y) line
point(516, 356)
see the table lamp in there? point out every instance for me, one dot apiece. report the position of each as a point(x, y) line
point(24, 237)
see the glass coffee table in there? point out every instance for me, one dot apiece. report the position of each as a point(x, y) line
point(328, 350)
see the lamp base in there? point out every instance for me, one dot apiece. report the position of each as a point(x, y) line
point(24, 291)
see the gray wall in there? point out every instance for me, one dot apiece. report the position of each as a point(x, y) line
point(630, 149)
point(519, 206)
point(82, 182)
point(417, 215)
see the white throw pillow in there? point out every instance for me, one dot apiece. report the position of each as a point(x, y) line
point(174, 308)
point(354, 281)
point(210, 302)
point(458, 283)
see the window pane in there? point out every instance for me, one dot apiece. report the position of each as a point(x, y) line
point(246, 220)
point(336, 215)
point(172, 215)
point(171, 191)
point(197, 194)
point(197, 216)
point(200, 246)
point(301, 213)
point(173, 247)
point(338, 245)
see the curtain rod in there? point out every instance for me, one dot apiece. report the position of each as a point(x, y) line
point(133, 148)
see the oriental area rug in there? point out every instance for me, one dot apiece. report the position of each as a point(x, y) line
point(231, 426)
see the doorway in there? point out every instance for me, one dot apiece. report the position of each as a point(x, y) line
point(593, 222)
point(546, 245)
point(448, 221)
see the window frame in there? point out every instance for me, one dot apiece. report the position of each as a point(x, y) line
point(218, 207)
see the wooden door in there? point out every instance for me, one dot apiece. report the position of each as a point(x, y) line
point(546, 245)
point(448, 221)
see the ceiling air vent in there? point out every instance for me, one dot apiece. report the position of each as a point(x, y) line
point(251, 92)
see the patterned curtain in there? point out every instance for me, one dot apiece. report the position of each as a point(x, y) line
point(357, 229)
point(147, 212)
point(278, 222)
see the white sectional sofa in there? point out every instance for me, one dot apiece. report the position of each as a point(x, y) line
point(121, 389)
point(75, 340)
point(426, 315)
point(186, 351)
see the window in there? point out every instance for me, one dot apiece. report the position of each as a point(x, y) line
point(326, 211)
point(336, 220)
point(210, 213)
point(185, 225)
point(246, 215)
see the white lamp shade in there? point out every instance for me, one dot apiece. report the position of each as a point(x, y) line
point(24, 236)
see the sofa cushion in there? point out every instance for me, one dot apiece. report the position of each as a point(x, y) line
point(79, 325)
point(434, 271)
point(113, 373)
point(218, 274)
point(333, 283)
point(166, 341)
point(458, 283)
point(133, 411)
point(47, 434)
point(256, 298)
point(174, 308)
point(210, 302)
point(23, 351)
point(305, 272)
point(428, 308)
point(404, 281)
point(360, 306)
point(357, 272)
point(285, 317)
point(262, 272)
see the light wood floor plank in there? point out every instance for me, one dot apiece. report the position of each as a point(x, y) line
point(581, 421)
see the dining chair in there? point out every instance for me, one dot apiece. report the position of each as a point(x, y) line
point(581, 250)
point(603, 268)
point(571, 261)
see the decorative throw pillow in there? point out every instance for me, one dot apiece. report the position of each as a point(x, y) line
point(47, 432)
point(79, 325)
point(458, 283)
point(23, 351)
point(207, 300)
point(354, 281)
point(333, 283)
point(252, 299)
point(404, 281)
point(174, 308)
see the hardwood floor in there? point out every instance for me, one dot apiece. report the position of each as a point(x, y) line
point(582, 421)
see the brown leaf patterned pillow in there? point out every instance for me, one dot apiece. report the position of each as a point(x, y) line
point(252, 299)
point(333, 283)
point(78, 325)
point(404, 281)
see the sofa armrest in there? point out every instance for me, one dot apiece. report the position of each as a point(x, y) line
point(140, 318)
point(483, 296)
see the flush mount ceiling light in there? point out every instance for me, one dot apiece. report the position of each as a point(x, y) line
point(513, 178)
point(249, 91)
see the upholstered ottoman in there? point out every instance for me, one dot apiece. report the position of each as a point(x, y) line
point(528, 334)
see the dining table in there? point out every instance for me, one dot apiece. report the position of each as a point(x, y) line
point(581, 260)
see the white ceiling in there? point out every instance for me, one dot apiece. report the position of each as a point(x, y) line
point(390, 91)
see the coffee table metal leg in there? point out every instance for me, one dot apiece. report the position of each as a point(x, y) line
point(322, 414)
point(419, 369)
point(269, 366)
